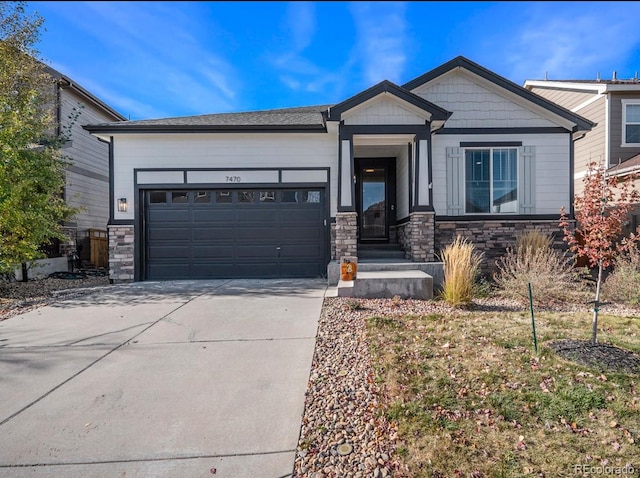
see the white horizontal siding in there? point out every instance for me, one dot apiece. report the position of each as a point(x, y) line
point(552, 167)
point(233, 150)
point(383, 111)
point(474, 106)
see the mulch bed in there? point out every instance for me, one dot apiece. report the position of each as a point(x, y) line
point(605, 357)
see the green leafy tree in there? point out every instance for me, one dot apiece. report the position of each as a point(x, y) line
point(32, 166)
point(601, 213)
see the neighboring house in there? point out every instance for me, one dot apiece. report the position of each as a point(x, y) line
point(614, 106)
point(285, 193)
point(87, 177)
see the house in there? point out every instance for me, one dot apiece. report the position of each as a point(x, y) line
point(614, 108)
point(87, 176)
point(290, 192)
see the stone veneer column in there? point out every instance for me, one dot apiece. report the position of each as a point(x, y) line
point(346, 235)
point(420, 237)
point(121, 260)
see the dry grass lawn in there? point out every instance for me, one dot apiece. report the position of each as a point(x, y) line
point(472, 399)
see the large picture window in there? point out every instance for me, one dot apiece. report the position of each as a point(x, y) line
point(491, 180)
point(631, 122)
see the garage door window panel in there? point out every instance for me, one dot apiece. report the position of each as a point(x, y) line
point(180, 197)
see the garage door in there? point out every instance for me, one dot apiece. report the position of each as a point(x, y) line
point(247, 233)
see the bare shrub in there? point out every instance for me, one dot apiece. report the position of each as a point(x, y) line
point(550, 272)
point(623, 284)
point(533, 240)
point(461, 266)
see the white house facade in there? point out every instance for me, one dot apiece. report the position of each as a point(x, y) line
point(288, 192)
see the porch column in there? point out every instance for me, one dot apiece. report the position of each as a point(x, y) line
point(346, 235)
point(420, 236)
point(346, 218)
point(422, 182)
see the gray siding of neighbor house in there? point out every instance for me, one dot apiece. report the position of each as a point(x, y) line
point(567, 98)
point(617, 151)
point(88, 175)
point(592, 146)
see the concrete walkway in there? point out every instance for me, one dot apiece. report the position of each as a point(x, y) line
point(159, 379)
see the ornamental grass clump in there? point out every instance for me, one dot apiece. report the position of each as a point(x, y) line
point(534, 261)
point(461, 267)
point(623, 284)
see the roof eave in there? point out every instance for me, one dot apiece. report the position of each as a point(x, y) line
point(581, 124)
point(125, 128)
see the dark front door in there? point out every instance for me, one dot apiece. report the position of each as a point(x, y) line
point(375, 210)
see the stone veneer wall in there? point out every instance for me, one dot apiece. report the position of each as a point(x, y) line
point(121, 248)
point(403, 237)
point(346, 238)
point(332, 241)
point(493, 236)
point(419, 237)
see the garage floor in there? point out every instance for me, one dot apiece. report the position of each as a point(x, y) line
point(166, 379)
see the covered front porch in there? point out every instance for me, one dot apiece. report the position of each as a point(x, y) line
point(384, 193)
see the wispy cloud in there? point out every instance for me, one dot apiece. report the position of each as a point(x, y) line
point(294, 68)
point(156, 55)
point(381, 39)
point(565, 41)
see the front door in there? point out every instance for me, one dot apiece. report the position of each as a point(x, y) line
point(373, 194)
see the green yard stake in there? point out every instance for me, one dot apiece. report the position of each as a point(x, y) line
point(533, 320)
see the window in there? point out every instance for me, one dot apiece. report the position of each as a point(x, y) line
point(224, 197)
point(246, 196)
point(630, 122)
point(491, 180)
point(157, 197)
point(180, 197)
point(202, 197)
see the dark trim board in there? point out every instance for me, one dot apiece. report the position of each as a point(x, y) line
point(495, 144)
point(111, 180)
point(124, 128)
point(347, 131)
point(535, 130)
point(499, 217)
point(385, 86)
point(122, 222)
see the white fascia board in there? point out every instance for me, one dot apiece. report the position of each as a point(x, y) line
point(386, 95)
point(566, 85)
point(594, 86)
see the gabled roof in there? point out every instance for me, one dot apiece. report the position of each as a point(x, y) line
point(304, 118)
point(65, 82)
point(629, 166)
point(462, 62)
point(386, 87)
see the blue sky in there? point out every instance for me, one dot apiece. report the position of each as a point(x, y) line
point(164, 59)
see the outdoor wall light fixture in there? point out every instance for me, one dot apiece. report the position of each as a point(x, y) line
point(122, 205)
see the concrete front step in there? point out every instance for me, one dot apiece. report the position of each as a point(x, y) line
point(381, 254)
point(434, 269)
point(414, 284)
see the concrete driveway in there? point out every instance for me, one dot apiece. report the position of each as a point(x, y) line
point(159, 379)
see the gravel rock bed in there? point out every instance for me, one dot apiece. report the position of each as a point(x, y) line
point(20, 297)
point(343, 434)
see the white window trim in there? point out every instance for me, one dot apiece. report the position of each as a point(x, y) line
point(464, 169)
point(624, 122)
